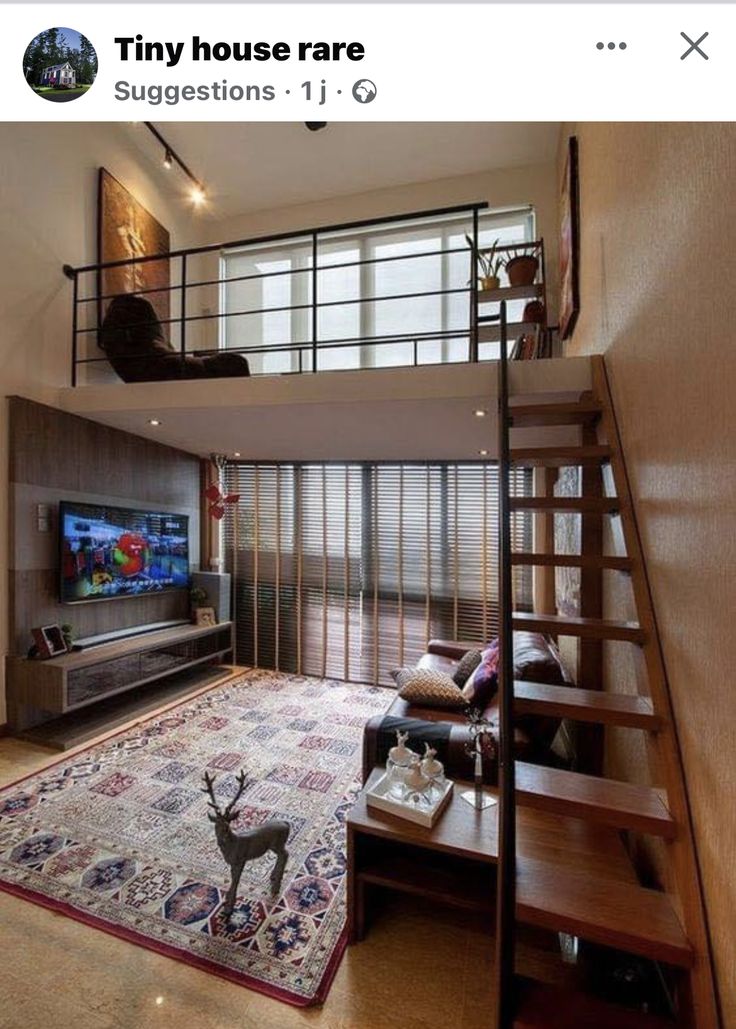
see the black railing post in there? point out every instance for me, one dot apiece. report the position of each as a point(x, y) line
point(506, 881)
point(314, 302)
point(183, 314)
point(75, 294)
point(474, 290)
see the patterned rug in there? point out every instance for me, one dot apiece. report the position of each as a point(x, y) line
point(118, 837)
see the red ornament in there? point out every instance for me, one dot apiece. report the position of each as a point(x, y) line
point(218, 500)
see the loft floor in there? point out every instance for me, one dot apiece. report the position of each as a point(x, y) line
point(371, 414)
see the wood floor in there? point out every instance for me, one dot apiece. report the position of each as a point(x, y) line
point(417, 968)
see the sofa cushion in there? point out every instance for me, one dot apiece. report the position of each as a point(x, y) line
point(466, 666)
point(426, 687)
point(481, 688)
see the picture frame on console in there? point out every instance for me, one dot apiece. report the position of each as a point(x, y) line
point(49, 641)
point(205, 616)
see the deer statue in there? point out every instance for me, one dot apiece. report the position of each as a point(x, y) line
point(237, 848)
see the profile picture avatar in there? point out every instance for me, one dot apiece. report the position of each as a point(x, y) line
point(60, 64)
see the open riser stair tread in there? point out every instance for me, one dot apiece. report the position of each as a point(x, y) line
point(602, 561)
point(586, 628)
point(620, 804)
point(541, 1006)
point(533, 698)
point(527, 415)
point(566, 505)
point(628, 916)
point(560, 457)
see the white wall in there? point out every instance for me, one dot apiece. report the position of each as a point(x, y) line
point(48, 217)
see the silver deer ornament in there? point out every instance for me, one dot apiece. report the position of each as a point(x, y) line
point(239, 847)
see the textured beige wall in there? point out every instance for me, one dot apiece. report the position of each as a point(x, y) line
point(658, 249)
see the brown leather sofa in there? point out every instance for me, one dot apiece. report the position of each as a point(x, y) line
point(536, 659)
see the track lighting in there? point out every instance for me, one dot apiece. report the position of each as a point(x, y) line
point(196, 193)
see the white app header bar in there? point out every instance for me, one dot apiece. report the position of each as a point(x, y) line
point(384, 62)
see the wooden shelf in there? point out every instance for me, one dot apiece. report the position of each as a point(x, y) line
point(490, 332)
point(584, 628)
point(622, 805)
point(486, 296)
point(618, 564)
point(560, 457)
point(533, 698)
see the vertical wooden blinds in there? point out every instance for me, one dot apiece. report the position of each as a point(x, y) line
point(346, 570)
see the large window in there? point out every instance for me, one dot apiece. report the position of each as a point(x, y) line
point(347, 570)
point(392, 284)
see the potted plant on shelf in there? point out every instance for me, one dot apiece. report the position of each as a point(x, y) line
point(488, 263)
point(197, 599)
point(521, 268)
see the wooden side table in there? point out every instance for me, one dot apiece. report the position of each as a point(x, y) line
point(451, 863)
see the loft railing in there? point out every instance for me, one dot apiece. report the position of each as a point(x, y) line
point(199, 334)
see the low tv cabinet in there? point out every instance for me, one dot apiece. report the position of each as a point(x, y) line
point(38, 691)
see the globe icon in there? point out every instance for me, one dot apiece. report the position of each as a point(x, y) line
point(364, 91)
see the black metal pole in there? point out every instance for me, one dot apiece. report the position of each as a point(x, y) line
point(182, 315)
point(75, 292)
point(314, 302)
point(506, 883)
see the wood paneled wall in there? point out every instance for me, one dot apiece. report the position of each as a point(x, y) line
point(58, 456)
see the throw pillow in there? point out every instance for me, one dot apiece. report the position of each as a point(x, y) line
point(483, 683)
point(428, 688)
point(466, 666)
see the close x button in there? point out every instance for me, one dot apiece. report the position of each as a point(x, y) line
point(694, 46)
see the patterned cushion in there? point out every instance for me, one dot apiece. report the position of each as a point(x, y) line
point(483, 683)
point(426, 688)
point(466, 666)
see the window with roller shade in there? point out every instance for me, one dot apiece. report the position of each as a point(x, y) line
point(267, 292)
point(346, 570)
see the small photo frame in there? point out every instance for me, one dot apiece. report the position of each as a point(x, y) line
point(49, 641)
point(205, 616)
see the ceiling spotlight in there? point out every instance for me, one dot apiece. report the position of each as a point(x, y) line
point(153, 421)
point(315, 126)
point(480, 413)
point(236, 453)
point(483, 453)
point(168, 159)
point(197, 195)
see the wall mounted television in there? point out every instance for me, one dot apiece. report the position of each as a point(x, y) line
point(112, 552)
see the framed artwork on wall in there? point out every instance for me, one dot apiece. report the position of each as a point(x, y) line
point(570, 242)
point(125, 229)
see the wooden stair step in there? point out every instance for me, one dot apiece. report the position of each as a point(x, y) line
point(566, 505)
point(542, 1006)
point(619, 564)
point(560, 457)
point(534, 698)
point(607, 801)
point(614, 914)
point(581, 412)
point(585, 628)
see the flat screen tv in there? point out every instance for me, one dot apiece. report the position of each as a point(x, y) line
point(111, 552)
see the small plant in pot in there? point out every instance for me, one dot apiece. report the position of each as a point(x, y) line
point(197, 598)
point(521, 268)
point(488, 264)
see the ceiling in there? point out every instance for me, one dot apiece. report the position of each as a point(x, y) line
point(250, 166)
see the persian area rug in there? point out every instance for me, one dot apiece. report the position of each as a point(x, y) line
point(117, 836)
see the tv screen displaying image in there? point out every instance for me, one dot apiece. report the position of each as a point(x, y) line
point(109, 552)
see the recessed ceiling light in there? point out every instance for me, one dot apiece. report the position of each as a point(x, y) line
point(480, 413)
point(483, 453)
point(236, 453)
point(153, 421)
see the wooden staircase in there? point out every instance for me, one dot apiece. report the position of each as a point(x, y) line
point(589, 889)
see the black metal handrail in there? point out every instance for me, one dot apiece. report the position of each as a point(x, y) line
point(305, 353)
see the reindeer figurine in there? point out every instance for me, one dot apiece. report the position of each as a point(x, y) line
point(237, 848)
